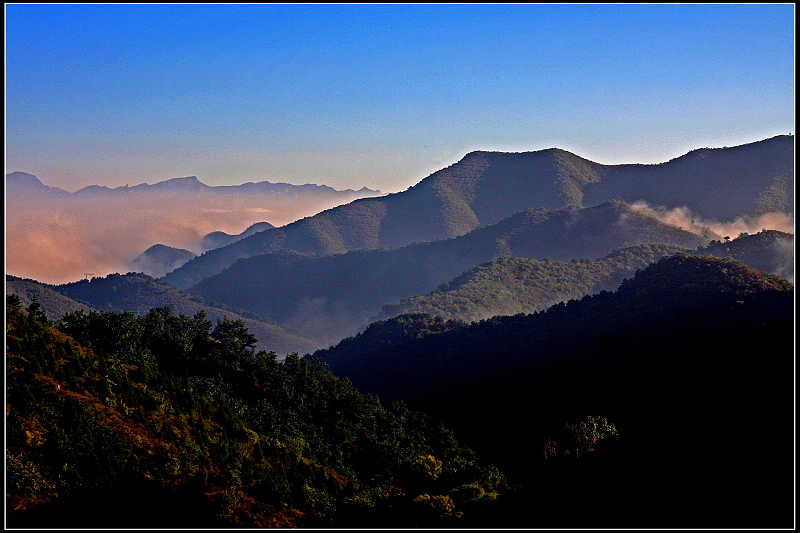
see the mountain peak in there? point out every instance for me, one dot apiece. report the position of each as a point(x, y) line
point(23, 177)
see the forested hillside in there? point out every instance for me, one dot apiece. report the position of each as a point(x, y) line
point(53, 304)
point(769, 251)
point(165, 421)
point(509, 286)
point(688, 349)
point(139, 293)
point(330, 297)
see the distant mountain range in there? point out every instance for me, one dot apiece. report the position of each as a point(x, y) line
point(57, 236)
point(22, 183)
point(486, 187)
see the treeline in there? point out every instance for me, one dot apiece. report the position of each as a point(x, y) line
point(119, 420)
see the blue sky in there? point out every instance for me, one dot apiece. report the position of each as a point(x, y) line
point(380, 95)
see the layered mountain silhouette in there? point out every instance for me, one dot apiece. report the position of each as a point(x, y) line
point(160, 259)
point(486, 187)
point(24, 185)
point(217, 239)
point(139, 293)
point(332, 296)
point(509, 286)
point(22, 182)
point(58, 236)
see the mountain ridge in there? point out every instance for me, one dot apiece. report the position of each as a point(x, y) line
point(483, 187)
point(328, 296)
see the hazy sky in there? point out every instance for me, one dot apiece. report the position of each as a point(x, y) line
point(380, 95)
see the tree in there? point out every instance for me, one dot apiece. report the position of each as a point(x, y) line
point(35, 312)
point(13, 301)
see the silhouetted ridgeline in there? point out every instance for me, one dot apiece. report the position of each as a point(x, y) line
point(160, 259)
point(217, 239)
point(485, 187)
point(688, 349)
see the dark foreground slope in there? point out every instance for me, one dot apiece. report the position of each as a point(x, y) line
point(166, 422)
point(486, 187)
point(688, 350)
point(140, 293)
point(509, 286)
point(330, 297)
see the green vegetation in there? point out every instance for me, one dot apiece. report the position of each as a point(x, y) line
point(115, 419)
point(509, 286)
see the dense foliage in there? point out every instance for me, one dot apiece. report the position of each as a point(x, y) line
point(115, 419)
point(694, 355)
point(509, 286)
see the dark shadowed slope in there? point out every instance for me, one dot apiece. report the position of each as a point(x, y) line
point(332, 296)
point(509, 286)
point(160, 259)
point(54, 304)
point(687, 350)
point(139, 293)
point(720, 183)
point(485, 187)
